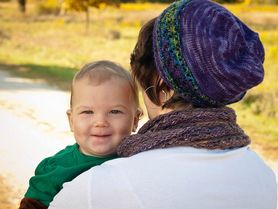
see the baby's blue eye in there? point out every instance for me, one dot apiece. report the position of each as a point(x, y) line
point(116, 111)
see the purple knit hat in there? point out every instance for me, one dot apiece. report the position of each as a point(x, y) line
point(206, 54)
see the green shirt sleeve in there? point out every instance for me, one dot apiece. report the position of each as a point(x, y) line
point(43, 186)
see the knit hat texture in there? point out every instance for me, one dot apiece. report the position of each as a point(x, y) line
point(206, 54)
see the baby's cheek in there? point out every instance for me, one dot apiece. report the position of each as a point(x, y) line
point(82, 128)
point(126, 128)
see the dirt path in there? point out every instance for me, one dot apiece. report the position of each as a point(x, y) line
point(33, 125)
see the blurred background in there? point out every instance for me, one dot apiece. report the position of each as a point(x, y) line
point(44, 42)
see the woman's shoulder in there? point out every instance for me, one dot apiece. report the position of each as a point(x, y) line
point(187, 160)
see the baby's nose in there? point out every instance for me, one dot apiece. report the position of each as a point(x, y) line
point(100, 121)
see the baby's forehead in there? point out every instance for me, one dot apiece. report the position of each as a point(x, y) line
point(111, 92)
point(103, 80)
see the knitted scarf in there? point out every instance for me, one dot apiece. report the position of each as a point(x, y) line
point(204, 128)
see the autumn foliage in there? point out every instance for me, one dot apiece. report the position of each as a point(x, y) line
point(83, 5)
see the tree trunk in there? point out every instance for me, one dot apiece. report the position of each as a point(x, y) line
point(87, 20)
point(22, 5)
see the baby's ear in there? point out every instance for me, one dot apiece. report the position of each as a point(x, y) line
point(138, 115)
point(69, 114)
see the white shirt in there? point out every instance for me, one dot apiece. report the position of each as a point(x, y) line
point(174, 178)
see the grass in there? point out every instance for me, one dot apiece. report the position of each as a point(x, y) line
point(261, 129)
point(54, 47)
point(55, 75)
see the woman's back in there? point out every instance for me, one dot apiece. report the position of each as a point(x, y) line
point(177, 178)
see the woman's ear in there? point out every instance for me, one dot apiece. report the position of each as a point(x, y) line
point(165, 95)
point(70, 119)
point(138, 115)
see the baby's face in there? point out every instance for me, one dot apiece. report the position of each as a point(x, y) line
point(102, 115)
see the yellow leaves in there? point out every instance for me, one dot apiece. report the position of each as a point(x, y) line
point(102, 6)
point(80, 5)
point(83, 5)
point(139, 6)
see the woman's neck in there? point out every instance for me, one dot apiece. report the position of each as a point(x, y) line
point(177, 107)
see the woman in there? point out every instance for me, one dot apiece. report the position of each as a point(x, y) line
point(191, 62)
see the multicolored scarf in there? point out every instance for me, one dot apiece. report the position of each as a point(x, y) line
point(204, 128)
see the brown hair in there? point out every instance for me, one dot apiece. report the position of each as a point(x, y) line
point(103, 70)
point(144, 70)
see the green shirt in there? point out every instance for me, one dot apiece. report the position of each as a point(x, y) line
point(53, 172)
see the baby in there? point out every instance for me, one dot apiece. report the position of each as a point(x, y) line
point(104, 108)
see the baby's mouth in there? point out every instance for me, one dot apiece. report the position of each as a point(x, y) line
point(106, 135)
point(101, 137)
